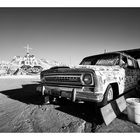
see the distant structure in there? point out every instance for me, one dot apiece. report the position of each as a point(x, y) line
point(26, 65)
point(28, 48)
point(27, 59)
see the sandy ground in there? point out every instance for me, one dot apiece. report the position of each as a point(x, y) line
point(21, 110)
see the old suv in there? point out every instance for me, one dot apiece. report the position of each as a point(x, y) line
point(99, 78)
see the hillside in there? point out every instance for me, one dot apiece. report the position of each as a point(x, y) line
point(17, 65)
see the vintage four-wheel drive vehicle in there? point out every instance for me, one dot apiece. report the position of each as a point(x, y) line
point(99, 78)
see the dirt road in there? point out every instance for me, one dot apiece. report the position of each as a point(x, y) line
point(21, 110)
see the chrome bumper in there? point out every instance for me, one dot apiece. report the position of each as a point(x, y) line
point(70, 93)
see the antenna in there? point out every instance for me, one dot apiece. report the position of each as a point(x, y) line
point(105, 50)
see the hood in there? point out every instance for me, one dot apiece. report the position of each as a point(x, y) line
point(96, 68)
point(67, 70)
point(79, 69)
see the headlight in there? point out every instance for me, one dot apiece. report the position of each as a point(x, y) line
point(87, 79)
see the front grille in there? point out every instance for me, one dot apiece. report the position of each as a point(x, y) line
point(65, 79)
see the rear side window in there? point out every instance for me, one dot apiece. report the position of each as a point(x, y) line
point(136, 64)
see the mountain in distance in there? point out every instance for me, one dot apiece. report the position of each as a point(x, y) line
point(45, 63)
point(27, 64)
point(4, 67)
point(10, 67)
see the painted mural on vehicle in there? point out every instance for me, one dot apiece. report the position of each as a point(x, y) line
point(97, 78)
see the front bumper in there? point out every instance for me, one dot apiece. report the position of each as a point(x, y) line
point(70, 93)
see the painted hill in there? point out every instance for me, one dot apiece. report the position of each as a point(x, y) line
point(27, 64)
point(22, 66)
point(3, 67)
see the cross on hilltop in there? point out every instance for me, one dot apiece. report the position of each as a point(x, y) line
point(28, 48)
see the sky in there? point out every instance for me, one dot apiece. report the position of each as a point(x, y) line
point(67, 35)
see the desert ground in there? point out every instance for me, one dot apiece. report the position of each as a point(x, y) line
point(22, 110)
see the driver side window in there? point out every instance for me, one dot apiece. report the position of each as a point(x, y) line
point(130, 63)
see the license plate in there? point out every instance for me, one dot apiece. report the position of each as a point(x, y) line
point(66, 94)
point(55, 92)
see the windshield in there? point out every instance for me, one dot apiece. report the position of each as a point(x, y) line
point(104, 59)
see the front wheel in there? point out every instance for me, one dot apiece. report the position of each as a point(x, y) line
point(108, 96)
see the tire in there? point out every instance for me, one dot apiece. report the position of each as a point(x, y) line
point(138, 88)
point(108, 96)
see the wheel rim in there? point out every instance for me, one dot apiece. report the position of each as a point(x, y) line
point(110, 94)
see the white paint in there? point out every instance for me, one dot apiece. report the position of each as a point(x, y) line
point(133, 109)
point(108, 114)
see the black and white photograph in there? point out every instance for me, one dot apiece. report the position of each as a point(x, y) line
point(69, 70)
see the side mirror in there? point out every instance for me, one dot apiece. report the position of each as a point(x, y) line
point(124, 65)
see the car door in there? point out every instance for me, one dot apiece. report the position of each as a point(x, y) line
point(127, 65)
point(135, 53)
point(130, 73)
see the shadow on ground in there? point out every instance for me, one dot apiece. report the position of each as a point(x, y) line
point(87, 111)
point(27, 94)
point(91, 114)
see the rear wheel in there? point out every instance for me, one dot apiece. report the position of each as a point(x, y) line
point(109, 95)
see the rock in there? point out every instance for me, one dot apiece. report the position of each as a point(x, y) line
point(76, 126)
